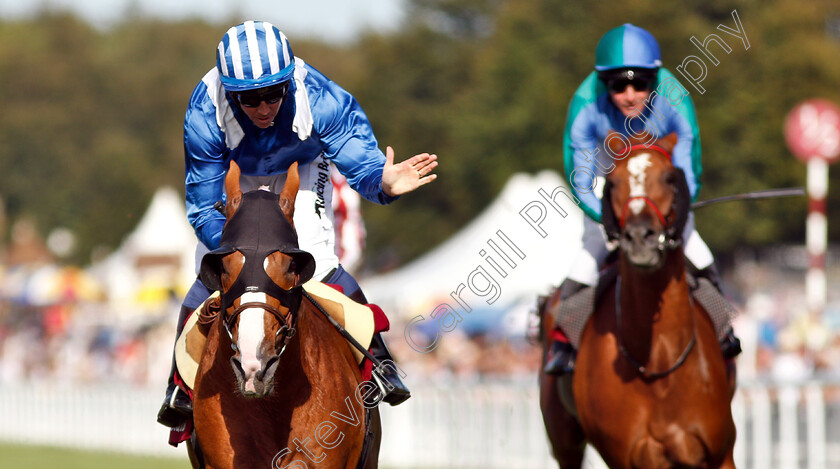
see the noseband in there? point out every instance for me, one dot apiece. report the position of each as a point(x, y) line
point(211, 310)
point(288, 321)
point(648, 202)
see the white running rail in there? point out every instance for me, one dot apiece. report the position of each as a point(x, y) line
point(449, 426)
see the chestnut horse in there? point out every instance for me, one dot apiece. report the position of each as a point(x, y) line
point(276, 384)
point(650, 385)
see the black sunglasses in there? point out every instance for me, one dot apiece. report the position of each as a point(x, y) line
point(638, 84)
point(270, 95)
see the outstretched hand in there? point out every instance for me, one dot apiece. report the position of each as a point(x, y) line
point(402, 178)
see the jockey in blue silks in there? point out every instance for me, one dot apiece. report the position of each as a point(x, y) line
point(265, 108)
point(631, 93)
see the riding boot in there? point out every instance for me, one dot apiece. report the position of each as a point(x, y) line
point(561, 358)
point(177, 406)
point(561, 353)
point(730, 345)
point(387, 376)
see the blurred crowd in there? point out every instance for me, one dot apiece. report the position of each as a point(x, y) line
point(79, 337)
point(88, 342)
point(783, 339)
point(82, 342)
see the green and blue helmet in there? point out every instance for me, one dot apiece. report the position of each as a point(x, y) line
point(253, 55)
point(627, 47)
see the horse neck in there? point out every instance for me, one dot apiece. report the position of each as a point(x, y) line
point(654, 305)
point(319, 339)
point(212, 372)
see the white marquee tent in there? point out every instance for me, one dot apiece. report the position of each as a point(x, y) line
point(157, 257)
point(465, 261)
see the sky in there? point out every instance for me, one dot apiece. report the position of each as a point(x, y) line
point(331, 20)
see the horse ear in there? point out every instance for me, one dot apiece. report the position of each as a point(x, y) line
point(289, 192)
point(232, 189)
point(668, 142)
point(616, 145)
point(608, 218)
point(682, 204)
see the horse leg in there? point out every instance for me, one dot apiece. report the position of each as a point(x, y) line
point(564, 431)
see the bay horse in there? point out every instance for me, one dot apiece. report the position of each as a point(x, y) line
point(650, 387)
point(276, 385)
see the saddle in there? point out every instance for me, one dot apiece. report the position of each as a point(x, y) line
point(361, 321)
point(572, 314)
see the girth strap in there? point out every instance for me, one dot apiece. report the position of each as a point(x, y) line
point(368, 441)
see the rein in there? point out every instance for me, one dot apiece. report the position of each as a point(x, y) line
point(642, 369)
point(208, 313)
point(341, 330)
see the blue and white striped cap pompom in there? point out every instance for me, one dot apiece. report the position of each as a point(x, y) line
point(252, 55)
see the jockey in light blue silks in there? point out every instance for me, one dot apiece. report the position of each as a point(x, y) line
point(617, 97)
point(265, 108)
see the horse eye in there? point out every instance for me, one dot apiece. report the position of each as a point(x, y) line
point(292, 266)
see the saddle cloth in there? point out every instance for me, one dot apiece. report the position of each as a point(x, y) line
point(359, 320)
point(572, 314)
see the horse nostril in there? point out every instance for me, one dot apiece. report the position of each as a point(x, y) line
point(237, 363)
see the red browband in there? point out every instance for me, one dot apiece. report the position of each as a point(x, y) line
point(642, 146)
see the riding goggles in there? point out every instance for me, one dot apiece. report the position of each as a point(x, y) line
point(270, 95)
point(638, 84)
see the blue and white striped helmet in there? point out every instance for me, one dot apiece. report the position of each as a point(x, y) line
point(252, 55)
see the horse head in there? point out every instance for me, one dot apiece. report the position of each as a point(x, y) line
point(259, 270)
point(646, 200)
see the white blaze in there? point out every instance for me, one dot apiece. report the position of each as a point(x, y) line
point(638, 166)
point(251, 332)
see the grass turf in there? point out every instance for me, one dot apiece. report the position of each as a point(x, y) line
point(39, 457)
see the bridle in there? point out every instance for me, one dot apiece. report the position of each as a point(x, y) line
point(642, 369)
point(670, 238)
point(288, 322)
point(258, 227)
